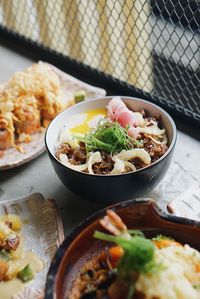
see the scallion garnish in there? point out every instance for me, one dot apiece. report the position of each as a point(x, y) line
point(108, 136)
point(138, 257)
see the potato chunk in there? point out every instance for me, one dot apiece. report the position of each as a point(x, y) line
point(15, 220)
point(8, 238)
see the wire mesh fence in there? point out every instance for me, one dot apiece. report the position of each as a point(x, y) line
point(153, 45)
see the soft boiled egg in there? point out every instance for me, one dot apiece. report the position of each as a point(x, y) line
point(82, 123)
point(79, 124)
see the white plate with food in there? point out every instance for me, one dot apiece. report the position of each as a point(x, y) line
point(29, 100)
point(30, 232)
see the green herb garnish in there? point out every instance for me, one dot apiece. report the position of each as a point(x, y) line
point(108, 136)
point(138, 252)
point(138, 257)
point(26, 273)
point(135, 232)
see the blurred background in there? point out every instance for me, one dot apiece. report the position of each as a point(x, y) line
point(141, 48)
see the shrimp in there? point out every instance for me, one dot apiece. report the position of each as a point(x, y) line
point(114, 224)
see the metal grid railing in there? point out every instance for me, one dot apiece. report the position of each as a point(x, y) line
point(153, 45)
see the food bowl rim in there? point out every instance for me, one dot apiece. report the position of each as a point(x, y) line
point(172, 144)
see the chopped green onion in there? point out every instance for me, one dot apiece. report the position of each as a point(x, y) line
point(26, 273)
point(130, 291)
point(108, 136)
point(138, 252)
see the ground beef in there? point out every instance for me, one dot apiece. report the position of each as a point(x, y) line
point(64, 148)
point(155, 150)
point(78, 156)
point(105, 166)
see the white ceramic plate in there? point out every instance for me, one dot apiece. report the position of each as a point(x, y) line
point(12, 157)
point(43, 233)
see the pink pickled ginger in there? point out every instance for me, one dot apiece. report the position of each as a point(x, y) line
point(117, 111)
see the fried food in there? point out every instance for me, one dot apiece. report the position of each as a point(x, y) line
point(29, 101)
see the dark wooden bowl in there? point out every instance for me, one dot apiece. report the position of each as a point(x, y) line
point(80, 246)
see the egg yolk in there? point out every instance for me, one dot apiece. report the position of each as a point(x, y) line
point(90, 115)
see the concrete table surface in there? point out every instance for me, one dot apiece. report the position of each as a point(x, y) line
point(39, 176)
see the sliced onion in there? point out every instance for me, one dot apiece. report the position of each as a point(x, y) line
point(152, 130)
point(66, 137)
point(64, 160)
point(129, 165)
point(93, 158)
point(118, 166)
point(157, 141)
point(134, 153)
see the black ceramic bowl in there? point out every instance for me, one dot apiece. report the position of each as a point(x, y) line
point(112, 188)
point(80, 246)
